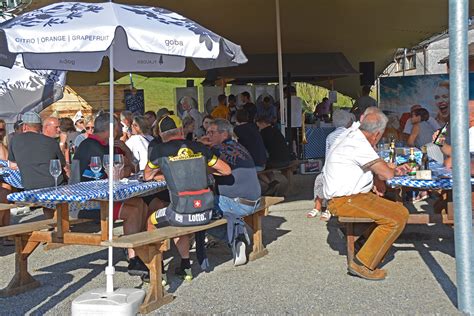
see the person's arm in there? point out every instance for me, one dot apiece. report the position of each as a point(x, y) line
point(152, 173)
point(220, 168)
point(385, 171)
point(414, 134)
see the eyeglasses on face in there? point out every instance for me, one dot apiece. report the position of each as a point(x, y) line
point(210, 133)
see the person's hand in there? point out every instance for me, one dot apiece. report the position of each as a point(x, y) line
point(205, 140)
point(391, 165)
point(402, 169)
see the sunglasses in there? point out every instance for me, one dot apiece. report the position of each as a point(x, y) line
point(2, 129)
point(88, 128)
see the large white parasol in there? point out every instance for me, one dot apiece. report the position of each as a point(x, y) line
point(76, 36)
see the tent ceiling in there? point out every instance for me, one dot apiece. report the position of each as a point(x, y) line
point(366, 30)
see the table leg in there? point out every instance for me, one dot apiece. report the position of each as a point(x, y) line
point(22, 281)
point(62, 218)
point(104, 220)
point(255, 221)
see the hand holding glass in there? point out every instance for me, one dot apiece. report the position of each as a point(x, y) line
point(55, 170)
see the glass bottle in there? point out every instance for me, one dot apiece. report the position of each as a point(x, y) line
point(441, 135)
point(392, 156)
point(424, 159)
point(412, 163)
point(71, 151)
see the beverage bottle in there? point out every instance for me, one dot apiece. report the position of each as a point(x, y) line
point(441, 135)
point(392, 157)
point(412, 163)
point(424, 159)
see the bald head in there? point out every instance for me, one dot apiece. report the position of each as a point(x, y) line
point(51, 127)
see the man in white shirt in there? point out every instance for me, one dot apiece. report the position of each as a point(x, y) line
point(348, 181)
point(189, 110)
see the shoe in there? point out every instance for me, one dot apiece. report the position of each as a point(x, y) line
point(184, 273)
point(325, 216)
point(365, 273)
point(314, 213)
point(240, 256)
point(136, 267)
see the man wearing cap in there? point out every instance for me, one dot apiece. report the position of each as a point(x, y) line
point(17, 129)
point(78, 120)
point(183, 164)
point(32, 152)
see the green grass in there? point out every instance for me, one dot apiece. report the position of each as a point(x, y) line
point(159, 92)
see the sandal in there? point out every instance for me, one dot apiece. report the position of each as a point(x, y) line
point(314, 213)
point(325, 216)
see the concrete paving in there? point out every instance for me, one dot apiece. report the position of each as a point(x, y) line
point(304, 273)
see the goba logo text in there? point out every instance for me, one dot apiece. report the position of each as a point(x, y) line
point(173, 42)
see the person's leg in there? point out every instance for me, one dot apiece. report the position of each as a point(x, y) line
point(390, 218)
point(133, 212)
point(318, 193)
point(5, 215)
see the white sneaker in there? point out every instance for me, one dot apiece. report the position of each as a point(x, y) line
point(240, 256)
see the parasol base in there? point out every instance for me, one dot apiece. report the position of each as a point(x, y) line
point(99, 302)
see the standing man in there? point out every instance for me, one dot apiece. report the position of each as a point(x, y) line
point(183, 164)
point(296, 117)
point(238, 194)
point(348, 179)
point(189, 110)
point(248, 105)
point(221, 110)
point(363, 102)
point(51, 127)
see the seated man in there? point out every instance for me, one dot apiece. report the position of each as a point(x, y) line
point(248, 135)
point(348, 178)
point(133, 212)
point(238, 193)
point(32, 153)
point(183, 164)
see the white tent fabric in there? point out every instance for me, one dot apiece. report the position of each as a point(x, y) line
point(145, 39)
point(23, 90)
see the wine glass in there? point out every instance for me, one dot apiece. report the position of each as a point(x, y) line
point(95, 166)
point(106, 164)
point(55, 170)
point(118, 165)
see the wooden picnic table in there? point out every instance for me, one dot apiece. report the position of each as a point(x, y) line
point(29, 236)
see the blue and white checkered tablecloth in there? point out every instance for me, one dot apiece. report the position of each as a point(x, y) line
point(11, 177)
point(3, 163)
point(87, 191)
point(441, 180)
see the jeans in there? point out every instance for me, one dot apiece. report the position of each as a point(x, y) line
point(233, 212)
point(390, 219)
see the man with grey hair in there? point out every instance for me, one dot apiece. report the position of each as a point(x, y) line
point(191, 111)
point(348, 181)
point(238, 193)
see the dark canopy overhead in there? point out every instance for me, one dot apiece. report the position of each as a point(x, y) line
point(303, 67)
point(365, 30)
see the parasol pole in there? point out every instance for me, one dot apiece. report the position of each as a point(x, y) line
point(110, 270)
point(280, 68)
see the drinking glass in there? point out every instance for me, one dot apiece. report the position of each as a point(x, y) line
point(118, 166)
point(55, 170)
point(106, 165)
point(95, 166)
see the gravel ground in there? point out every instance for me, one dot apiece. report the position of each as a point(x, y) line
point(304, 273)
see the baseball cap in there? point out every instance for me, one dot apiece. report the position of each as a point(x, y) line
point(17, 124)
point(77, 117)
point(169, 122)
point(31, 118)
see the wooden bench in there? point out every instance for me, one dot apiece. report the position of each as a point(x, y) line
point(286, 171)
point(150, 246)
point(355, 226)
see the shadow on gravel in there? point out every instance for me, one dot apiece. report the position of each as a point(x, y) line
point(425, 240)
